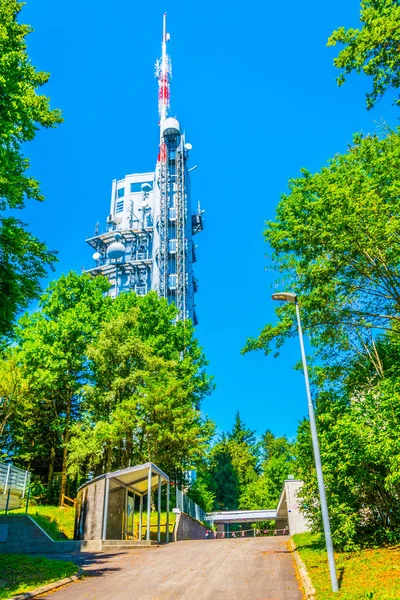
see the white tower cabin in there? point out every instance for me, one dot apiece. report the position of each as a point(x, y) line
point(148, 240)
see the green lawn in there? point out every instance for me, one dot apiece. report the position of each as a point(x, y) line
point(368, 574)
point(19, 573)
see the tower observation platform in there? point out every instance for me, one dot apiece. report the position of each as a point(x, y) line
point(148, 240)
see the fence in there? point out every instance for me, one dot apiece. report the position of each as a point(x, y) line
point(188, 506)
point(253, 532)
point(13, 478)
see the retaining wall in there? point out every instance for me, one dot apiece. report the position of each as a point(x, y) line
point(187, 528)
point(20, 534)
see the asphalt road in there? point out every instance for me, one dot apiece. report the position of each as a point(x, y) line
point(234, 569)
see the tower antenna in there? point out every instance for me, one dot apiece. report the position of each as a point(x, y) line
point(164, 74)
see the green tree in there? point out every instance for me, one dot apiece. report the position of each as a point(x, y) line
point(13, 388)
point(277, 463)
point(23, 258)
point(200, 492)
point(143, 401)
point(335, 243)
point(51, 352)
point(222, 477)
point(360, 453)
point(373, 49)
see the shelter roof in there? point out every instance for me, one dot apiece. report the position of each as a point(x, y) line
point(135, 478)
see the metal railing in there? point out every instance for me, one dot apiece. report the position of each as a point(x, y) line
point(13, 478)
point(188, 506)
point(241, 533)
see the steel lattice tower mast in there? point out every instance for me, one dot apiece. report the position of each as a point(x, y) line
point(148, 240)
point(172, 167)
point(163, 73)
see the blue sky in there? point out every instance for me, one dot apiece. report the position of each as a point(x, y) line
point(254, 87)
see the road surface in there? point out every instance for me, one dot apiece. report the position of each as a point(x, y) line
point(234, 569)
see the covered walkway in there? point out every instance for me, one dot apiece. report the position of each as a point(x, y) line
point(287, 515)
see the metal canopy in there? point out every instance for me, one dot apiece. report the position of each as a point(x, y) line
point(135, 478)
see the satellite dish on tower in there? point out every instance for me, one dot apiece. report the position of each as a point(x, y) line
point(96, 256)
point(116, 249)
point(188, 146)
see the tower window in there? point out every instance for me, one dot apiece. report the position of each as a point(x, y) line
point(121, 192)
point(120, 206)
point(172, 282)
point(137, 186)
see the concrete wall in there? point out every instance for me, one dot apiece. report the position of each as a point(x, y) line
point(19, 534)
point(187, 528)
point(297, 522)
point(89, 511)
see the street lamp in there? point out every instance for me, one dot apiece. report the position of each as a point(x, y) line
point(290, 297)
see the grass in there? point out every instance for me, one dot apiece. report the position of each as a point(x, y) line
point(372, 574)
point(57, 522)
point(19, 573)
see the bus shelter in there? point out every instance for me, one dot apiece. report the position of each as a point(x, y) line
point(111, 506)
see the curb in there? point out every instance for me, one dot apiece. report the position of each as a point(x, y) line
point(47, 588)
point(308, 587)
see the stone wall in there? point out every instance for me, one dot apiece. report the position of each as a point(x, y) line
point(187, 528)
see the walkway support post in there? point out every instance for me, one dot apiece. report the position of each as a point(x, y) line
point(167, 532)
point(8, 500)
point(27, 500)
point(124, 536)
point(159, 510)
point(105, 509)
point(25, 479)
point(133, 515)
point(7, 478)
point(148, 504)
point(140, 517)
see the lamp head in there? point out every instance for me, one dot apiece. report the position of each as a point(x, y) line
point(285, 297)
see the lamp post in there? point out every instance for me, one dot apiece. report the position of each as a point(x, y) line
point(290, 297)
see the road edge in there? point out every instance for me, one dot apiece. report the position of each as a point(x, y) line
point(47, 588)
point(308, 587)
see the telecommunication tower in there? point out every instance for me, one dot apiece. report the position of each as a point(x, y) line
point(148, 240)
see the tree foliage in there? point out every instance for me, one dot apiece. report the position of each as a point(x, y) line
point(23, 258)
point(241, 472)
point(372, 49)
point(359, 438)
point(94, 384)
point(51, 353)
point(143, 402)
point(336, 243)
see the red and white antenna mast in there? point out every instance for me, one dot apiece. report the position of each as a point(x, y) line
point(164, 74)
